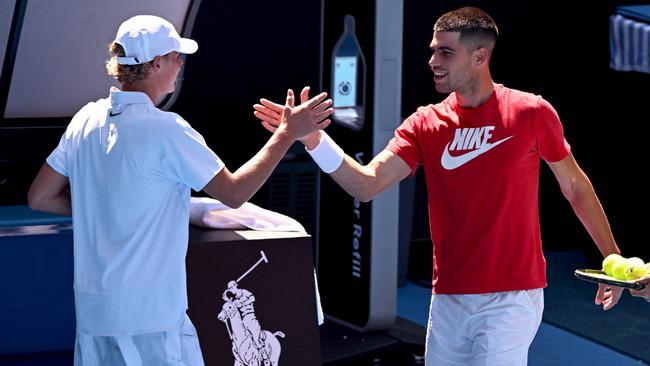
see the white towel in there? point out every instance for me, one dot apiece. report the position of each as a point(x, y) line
point(629, 44)
point(211, 213)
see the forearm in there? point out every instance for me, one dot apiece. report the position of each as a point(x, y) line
point(60, 204)
point(250, 177)
point(587, 207)
point(50, 192)
point(357, 180)
point(350, 175)
point(362, 182)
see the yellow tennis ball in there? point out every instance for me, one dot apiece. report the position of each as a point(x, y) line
point(635, 268)
point(609, 261)
point(619, 268)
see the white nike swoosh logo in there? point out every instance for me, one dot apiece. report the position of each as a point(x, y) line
point(452, 162)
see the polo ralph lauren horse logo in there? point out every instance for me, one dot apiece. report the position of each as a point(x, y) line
point(251, 346)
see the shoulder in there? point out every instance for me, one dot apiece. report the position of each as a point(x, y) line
point(517, 98)
point(168, 123)
point(431, 118)
point(431, 113)
point(173, 130)
point(92, 108)
point(521, 102)
point(169, 118)
point(86, 113)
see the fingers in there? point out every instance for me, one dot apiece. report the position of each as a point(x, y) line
point(304, 95)
point(266, 119)
point(600, 295)
point(611, 297)
point(290, 99)
point(610, 302)
point(324, 114)
point(304, 98)
point(321, 107)
point(269, 127)
point(322, 125)
point(322, 110)
point(264, 113)
point(311, 103)
point(272, 106)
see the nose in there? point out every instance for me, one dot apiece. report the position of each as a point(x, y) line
point(432, 60)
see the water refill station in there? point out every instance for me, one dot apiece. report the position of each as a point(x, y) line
point(358, 242)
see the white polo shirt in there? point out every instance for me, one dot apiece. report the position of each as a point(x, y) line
point(131, 167)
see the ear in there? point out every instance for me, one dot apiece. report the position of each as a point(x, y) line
point(156, 62)
point(481, 56)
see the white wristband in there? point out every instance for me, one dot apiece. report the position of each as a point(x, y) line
point(327, 154)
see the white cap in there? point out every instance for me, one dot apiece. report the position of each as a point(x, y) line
point(144, 37)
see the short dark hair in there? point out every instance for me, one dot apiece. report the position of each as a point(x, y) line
point(476, 27)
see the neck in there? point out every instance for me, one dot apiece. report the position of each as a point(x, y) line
point(477, 93)
point(144, 87)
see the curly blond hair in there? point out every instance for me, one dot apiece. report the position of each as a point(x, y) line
point(125, 73)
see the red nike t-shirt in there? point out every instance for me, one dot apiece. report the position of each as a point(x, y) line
point(481, 167)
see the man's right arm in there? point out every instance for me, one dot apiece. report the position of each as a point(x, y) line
point(364, 182)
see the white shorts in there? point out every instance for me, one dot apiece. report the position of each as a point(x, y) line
point(483, 329)
point(175, 347)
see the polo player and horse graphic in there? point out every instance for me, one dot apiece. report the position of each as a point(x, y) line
point(251, 346)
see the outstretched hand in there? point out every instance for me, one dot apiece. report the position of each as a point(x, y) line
point(608, 296)
point(645, 293)
point(272, 114)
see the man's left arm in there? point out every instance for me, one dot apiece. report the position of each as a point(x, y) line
point(579, 191)
point(50, 192)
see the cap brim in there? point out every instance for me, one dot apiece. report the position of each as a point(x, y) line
point(188, 46)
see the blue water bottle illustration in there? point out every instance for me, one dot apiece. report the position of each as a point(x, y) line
point(348, 78)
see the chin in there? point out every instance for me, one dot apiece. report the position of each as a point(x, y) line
point(443, 89)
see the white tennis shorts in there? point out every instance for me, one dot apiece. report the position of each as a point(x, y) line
point(175, 347)
point(492, 329)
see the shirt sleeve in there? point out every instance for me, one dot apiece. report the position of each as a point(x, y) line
point(405, 142)
point(57, 159)
point(187, 158)
point(551, 144)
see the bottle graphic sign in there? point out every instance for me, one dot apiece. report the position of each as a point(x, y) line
point(348, 78)
point(345, 81)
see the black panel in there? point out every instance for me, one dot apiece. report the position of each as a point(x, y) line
point(345, 224)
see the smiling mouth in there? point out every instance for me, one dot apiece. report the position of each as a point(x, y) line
point(439, 75)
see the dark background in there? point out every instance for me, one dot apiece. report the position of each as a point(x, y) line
point(251, 50)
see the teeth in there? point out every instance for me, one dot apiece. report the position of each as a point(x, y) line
point(440, 74)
